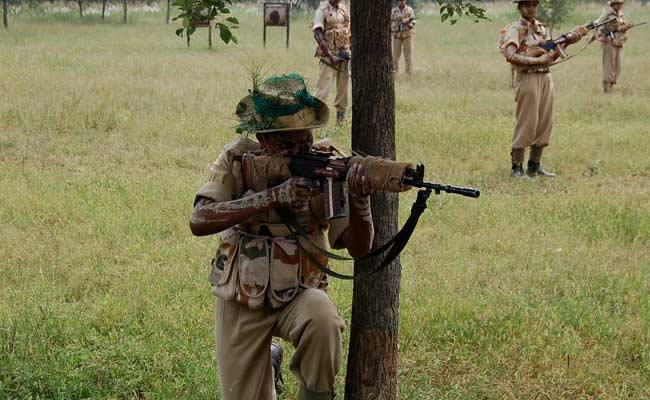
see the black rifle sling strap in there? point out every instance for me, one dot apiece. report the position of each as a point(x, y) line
point(394, 246)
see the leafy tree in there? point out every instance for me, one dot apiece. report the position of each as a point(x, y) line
point(198, 11)
point(554, 12)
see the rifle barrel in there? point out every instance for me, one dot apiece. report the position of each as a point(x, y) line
point(467, 192)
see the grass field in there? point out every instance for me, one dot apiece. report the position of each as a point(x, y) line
point(538, 290)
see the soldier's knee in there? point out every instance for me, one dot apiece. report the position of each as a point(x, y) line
point(323, 317)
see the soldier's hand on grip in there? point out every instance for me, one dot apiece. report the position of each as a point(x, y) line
point(294, 193)
point(358, 184)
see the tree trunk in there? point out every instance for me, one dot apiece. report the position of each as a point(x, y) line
point(81, 8)
point(103, 9)
point(210, 36)
point(125, 9)
point(5, 11)
point(169, 7)
point(372, 360)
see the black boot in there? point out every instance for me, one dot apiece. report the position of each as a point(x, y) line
point(340, 117)
point(518, 171)
point(276, 360)
point(536, 169)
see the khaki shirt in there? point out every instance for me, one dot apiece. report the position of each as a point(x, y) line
point(257, 263)
point(523, 35)
point(335, 23)
point(610, 32)
point(402, 22)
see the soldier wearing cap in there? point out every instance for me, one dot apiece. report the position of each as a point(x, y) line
point(533, 87)
point(403, 32)
point(265, 285)
point(331, 27)
point(612, 37)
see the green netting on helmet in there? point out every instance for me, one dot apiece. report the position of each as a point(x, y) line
point(282, 95)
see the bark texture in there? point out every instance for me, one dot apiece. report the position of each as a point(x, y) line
point(372, 360)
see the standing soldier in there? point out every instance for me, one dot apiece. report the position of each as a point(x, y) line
point(612, 36)
point(331, 27)
point(265, 282)
point(403, 28)
point(533, 86)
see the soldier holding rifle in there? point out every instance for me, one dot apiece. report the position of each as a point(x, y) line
point(520, 45)
point(265, 285)
point(331, 27)
point(612, 37)
point(278, 205)
point(403, 30)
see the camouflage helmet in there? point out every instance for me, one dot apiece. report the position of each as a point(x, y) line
point(524, 1)
point(280, 104)
point(616, 1)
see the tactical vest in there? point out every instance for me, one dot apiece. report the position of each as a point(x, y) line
point(259, 262)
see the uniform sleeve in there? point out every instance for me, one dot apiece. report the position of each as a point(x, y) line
point(221, 181)
point(511, 37)
point(319, 19)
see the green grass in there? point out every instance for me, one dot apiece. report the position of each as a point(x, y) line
point(537, 290)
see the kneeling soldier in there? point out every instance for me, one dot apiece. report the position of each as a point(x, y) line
point(265, 285)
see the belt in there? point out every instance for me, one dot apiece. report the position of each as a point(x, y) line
point(536, 71)
point(270, 230)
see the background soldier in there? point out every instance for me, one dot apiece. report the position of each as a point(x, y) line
point(612, 37)
point(265, 285)
point(403, 29)
point(533, 87)
point(331, 27)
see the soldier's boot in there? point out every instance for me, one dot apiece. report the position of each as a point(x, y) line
point(306, 394)
point(607, 87)
point(534, 164)
point(340, 117)
point(518, 171)
point(536, 169)
point(517, 156)
point(276, 361)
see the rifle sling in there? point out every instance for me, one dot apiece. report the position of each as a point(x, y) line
point(394, 246)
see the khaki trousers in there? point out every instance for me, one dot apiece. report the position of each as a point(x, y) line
point(405, 44)
point(326, 76)
point(611, 62)
point(534, 97)
point(243, 341)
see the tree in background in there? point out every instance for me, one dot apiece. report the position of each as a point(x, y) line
point(197, 11)
point(372, 359)
point(5, 11)
point(554, 12)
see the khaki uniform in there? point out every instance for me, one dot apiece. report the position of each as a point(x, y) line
point(534, 92)
point(265, 286)
point(403, 32)
point(335, 23)
point(612, 42)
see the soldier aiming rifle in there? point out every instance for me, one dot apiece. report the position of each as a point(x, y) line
point(277, 206)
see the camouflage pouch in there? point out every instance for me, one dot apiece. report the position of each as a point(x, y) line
point(253, 268)
point(285, 272)
point(222, 277)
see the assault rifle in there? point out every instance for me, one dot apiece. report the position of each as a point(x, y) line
point(329, 173)
point(403, 26)
point(610, 34)
point(565, 39)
